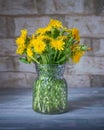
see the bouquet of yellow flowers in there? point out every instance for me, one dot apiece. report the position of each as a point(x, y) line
point(50, 48)
point(54, 44)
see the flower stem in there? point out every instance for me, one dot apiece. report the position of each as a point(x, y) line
point(34, 60)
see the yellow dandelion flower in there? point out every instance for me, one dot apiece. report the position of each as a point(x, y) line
point(24, 33)
point(20, 49)
point(39, 47)
point(33, 36)
point(48, 38)
point(40, 30)
point(55, 23)
point(75, 33)
point(32, 42)
point(77, 56)
point(43, 37)
point(29, 52)
point(57, 44)
point(43, 30)
point(20, 40)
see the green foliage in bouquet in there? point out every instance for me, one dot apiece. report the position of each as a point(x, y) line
point(54, 44)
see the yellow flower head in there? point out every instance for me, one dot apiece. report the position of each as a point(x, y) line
point(39, 46)
point(43, 30)
point(55, 23)
point(75, 34)
point(32, 42)
point(20, 40)
point(29, 52)
point(77, 56)
point(24, 33)
point(57, 44)
point(77, 53)
point(33, 36)
point(20, 49)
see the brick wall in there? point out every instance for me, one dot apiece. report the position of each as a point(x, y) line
point(87, 15)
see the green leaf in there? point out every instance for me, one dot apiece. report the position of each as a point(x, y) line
point(24, 60)
point(61, 60)
point(55, 32)
point(70, 41)
point(44, 59)
point(84, 47)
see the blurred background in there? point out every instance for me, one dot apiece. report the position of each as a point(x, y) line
point(86, 15)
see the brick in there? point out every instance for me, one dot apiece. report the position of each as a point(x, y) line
point(88, 6)
point(13, 64)
point(16, 7)
point(77, 80)
point(97, 80)
point(5, 47)
point(64, 7)
point(45, 6)
point(3, 27)
point(16, 80)
point(87, 65)
point(94, 28)
point(98, 47)
point(99, 7)
point(95, 45)
point(10, 27)
point(68, 7)
point(30, 23)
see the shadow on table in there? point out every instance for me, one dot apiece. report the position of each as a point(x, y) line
point(82, 102)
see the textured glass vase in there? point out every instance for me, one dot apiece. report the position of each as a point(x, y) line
point(50, 89)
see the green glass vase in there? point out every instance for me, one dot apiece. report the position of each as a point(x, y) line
point(50, 89)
